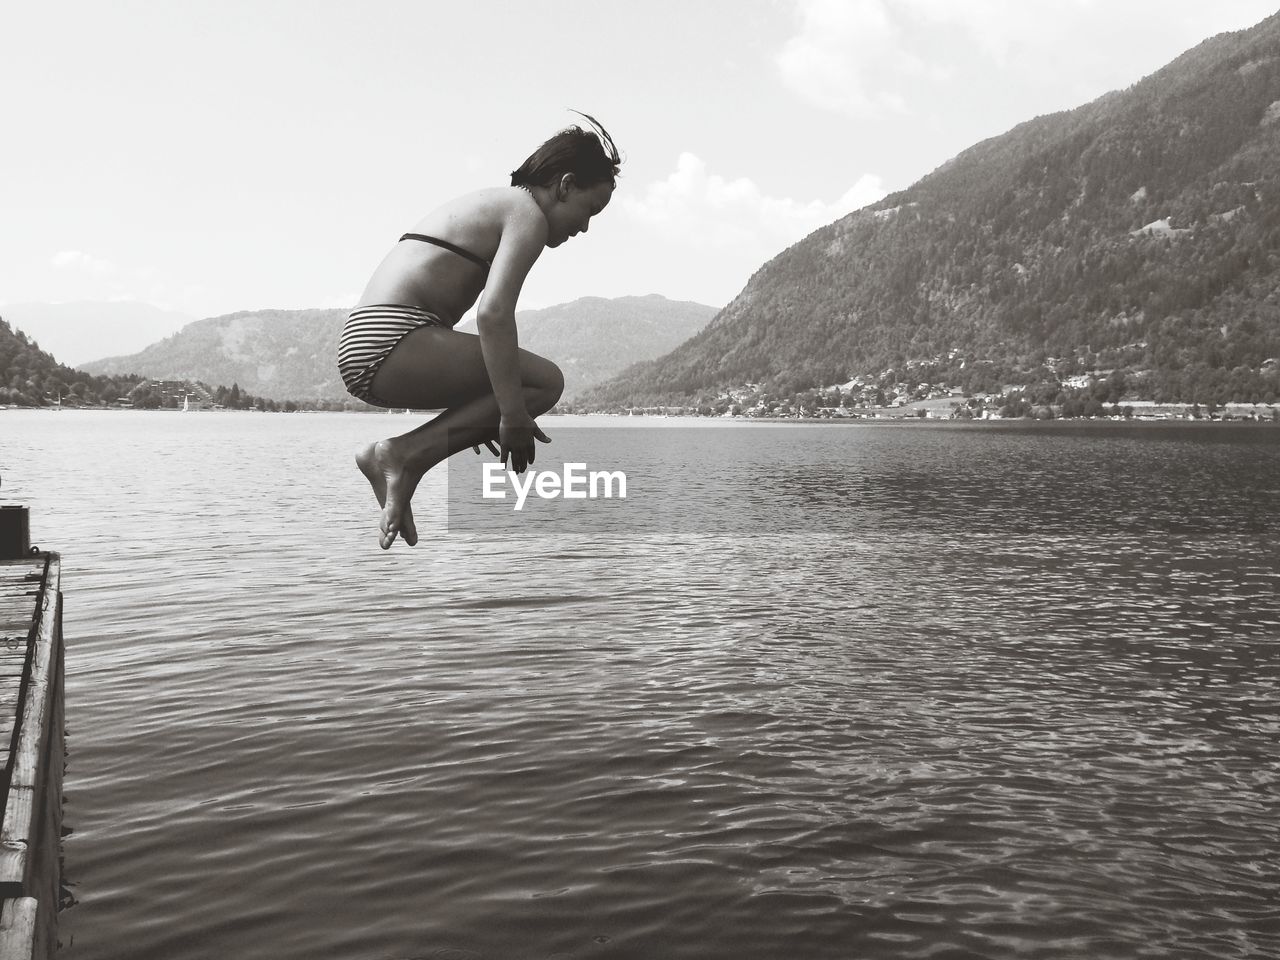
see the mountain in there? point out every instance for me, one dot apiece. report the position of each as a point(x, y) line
point(282, 354)
point(86, 329)
point(1139, 233)
point(592, 339)
point(31, 377)
point(291, 354)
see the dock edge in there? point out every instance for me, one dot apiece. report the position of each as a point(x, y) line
point(31, 826)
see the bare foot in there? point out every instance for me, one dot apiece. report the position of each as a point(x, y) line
point(386, 475)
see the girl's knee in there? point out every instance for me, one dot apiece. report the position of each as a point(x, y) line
point(545, 380)
point(549, 388)
point(555, 388)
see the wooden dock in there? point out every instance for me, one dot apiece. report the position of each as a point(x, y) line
point(32, 747)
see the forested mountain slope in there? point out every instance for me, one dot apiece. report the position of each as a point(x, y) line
point(1139, 233)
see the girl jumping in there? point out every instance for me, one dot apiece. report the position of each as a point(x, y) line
point(399, 349)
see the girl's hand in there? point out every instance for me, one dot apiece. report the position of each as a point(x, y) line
point(516, 437)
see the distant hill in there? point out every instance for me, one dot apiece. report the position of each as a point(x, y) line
point(283, 354)
point(290, 354)
point(593, 338)
point(85, 330)
point(1139, 233)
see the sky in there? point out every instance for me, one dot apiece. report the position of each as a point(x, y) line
point(210, 156)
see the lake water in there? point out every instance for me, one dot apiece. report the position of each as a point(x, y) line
point(867, 691)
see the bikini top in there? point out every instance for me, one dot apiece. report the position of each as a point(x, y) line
point(480, 261)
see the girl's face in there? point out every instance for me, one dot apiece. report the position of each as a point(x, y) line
point(574, 208)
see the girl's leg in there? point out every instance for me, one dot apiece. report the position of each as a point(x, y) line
point(434, 367)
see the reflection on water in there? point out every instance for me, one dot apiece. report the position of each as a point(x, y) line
point(944, 692)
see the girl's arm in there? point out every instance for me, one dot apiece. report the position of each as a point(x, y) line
point(524, 236)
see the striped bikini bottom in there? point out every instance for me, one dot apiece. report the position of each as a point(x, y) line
point(368, 338)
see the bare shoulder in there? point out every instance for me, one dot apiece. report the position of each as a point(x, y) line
point(521, 220)
point(517, 207)
point(483, 218)
point(492, 205)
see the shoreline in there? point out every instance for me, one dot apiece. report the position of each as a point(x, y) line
point(1267, 417)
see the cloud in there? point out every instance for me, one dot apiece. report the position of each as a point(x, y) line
point(78, 260)
point(696, 207)
point(878, 58)
point(996, 28)
point(700, 235)
point(840, 48)
point(871, 58)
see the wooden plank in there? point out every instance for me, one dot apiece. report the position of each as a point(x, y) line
point(21, 581)
point(17, 831)
point(10, 691)
point(18, 928)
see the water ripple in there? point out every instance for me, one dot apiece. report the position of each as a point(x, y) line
point(952, 719)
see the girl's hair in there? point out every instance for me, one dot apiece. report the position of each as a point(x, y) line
point(588, 154)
